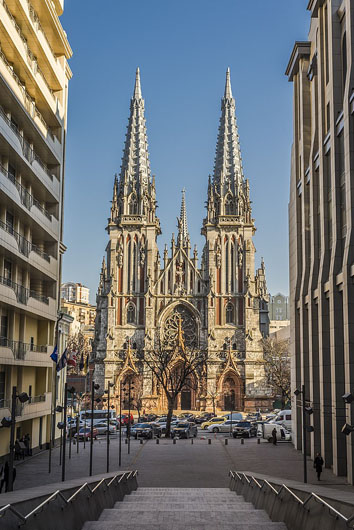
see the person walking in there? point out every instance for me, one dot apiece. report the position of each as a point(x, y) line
point(274, 435)
point(318, 464)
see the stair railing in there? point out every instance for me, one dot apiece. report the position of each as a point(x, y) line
point(243, 478)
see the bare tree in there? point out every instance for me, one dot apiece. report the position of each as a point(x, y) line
point(174, 369)
point(213, 394)
point(138, 394)
point(277, 367)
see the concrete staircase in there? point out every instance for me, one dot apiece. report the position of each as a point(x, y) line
point(183, 509)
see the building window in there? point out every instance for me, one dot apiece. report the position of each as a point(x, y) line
point(131, 314)
point(7, 270)
point(229, 205)
point(344, 61)
point(229, 314)
point(4, 327)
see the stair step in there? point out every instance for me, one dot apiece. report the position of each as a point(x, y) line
point(183, 506)
point(177, 516)
point(117, 525)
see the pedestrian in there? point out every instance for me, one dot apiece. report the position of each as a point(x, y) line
point(274, 435)
point(6, 477)
point(27, 442)
point(317, 464)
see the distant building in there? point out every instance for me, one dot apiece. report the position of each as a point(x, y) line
point(279, 307)
point(84, 315)
point(279, 329)
point(75, 292)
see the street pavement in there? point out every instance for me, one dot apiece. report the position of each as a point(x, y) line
point(183, 464)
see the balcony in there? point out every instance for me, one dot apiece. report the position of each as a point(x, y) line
point(23, 293)
point(24, 246)
point(36, 406)
point(26, 198)
point(20, 349)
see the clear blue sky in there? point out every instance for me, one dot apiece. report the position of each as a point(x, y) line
point(183, 49)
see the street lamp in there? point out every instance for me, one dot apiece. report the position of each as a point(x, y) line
point(130, 388)
point(305, 430)
point(94, 387)
point(11, 422)
point(110, 385)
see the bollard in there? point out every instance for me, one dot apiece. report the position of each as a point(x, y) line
point(209, 441)
point(242, 441)
point(141, 441)
point(226, 441)
point(157, 440)
point(258, 441)
point(126, 441)
point(192, 441)
point(174, 441)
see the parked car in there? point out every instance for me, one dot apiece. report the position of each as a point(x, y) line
point(244, 428)
point(102, 427)
point(233, 416)
point(85, 433)
point(164, 425)
point(264, 430)
point(222, 427)
point(211, 421)
point(283, 418)
point(184, 429)
point(125, 419)
point(204, 417)
point(142, 430)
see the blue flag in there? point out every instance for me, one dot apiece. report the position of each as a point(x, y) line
point(63, 361)
point(54, 355)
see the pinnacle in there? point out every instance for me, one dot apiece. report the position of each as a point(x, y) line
point(183, 235)
point(228, 91)
point(137, 87)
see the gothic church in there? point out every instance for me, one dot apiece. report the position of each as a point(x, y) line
point(222, 302)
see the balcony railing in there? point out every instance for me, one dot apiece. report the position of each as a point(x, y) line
point(23, 293)
point(19, 348)
point(27, 150)
point(36, 22)
point(24, 246)
point(26, 198)
point(31, 58)
point(30, 104)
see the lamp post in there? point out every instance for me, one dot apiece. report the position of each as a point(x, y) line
point(66, 390)
point(93, 388)
point(110, 385)
point(305, 410)
point(120, 423)
point(6, 422)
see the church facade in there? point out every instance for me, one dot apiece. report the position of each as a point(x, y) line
point(221, 302)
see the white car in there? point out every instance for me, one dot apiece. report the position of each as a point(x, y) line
point(223, 427)
point(102, 428)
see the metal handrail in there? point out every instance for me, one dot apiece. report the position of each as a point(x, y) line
point(58, 493)
point(312, 496)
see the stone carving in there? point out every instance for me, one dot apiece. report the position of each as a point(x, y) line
point(142, 256)
point(218, 256)
point(120, 255)
point(171, 327)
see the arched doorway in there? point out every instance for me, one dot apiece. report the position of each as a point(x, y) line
point(231, 393)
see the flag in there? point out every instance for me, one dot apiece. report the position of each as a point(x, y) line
point(72, 358)
point(82, 363)
point(54, 355)
point(62, 362)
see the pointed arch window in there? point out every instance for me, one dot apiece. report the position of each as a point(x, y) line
point(131, 313)
point(133, 205)
point(230, 313)
point(229, 205)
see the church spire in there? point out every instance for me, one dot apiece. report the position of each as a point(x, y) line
point(183, 235)
point(228, 162)
point(135, 161)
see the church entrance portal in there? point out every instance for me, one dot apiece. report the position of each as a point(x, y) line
point(186, 400)
point(232, 393)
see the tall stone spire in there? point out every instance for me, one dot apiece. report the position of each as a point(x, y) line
point(228, 171)
point(135, 161)
point(183, 235)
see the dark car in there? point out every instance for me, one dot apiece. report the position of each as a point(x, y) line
point(184, 429)
point(145, 430)
point(244, 428)
point(204, 417)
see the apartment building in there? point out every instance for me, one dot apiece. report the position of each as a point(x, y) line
point(75, 292)
point(34, 77)
point(321, 216)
